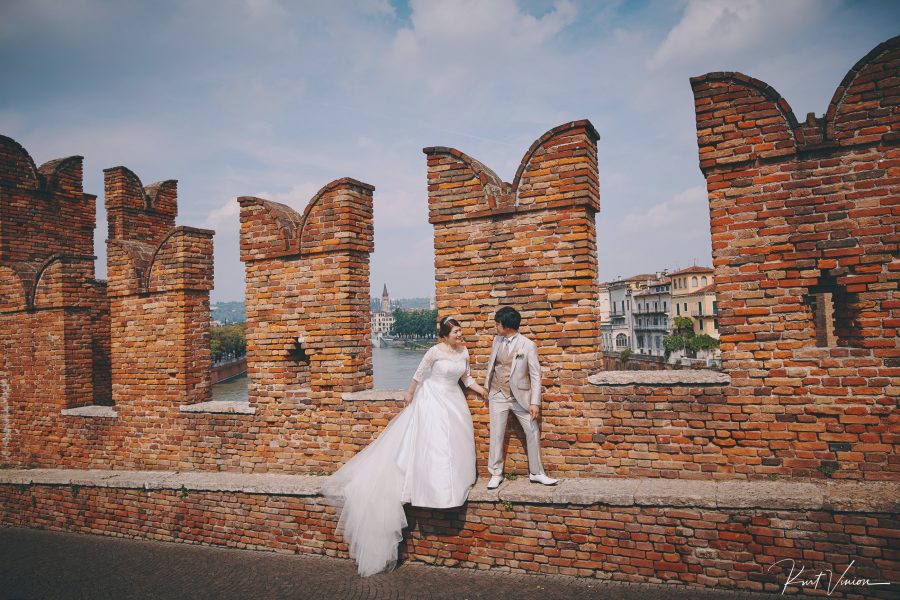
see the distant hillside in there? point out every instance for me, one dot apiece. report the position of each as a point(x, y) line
point(233, 312)
point(401, 303)
point(228, 312)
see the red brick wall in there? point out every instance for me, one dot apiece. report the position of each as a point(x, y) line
point(159, 282)
point(798, 208)
point(308, 294)
point(532, 245)
point(721, 548)
point(51, 307)
point(789, 203)
point(44, 210)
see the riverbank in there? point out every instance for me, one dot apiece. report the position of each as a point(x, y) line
point(393, 368)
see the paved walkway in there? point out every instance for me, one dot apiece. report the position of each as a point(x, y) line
point(44, 565)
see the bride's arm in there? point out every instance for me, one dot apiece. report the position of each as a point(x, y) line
point(410, 391)
point(470, 383)
point(420, 374)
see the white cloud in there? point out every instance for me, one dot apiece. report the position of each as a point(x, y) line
point(458, 43)
point(226, 217)
point(675, 216)
point(723, 28)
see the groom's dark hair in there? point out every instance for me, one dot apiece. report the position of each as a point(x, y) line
point(508, 317)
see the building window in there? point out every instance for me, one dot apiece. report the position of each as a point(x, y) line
point(621, 340)
point(678, 309)
point(658, 342)
point(641, 342)
point(703, 281)
point(694, 281)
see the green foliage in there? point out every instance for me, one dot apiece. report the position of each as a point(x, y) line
point(415, 323)
point(684, 325)
point(228, 341)
point(683, 339)
point(625, 354)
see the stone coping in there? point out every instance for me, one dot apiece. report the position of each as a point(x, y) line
point(661, 378)
point(241, 407)
point(102, 412)
point(840, 496)
point(373, 395)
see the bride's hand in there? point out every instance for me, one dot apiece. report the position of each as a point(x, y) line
point(407, 398)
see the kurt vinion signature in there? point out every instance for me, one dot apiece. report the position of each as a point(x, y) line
point(795, 577)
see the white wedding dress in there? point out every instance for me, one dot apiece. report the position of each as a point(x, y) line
point(425, 457)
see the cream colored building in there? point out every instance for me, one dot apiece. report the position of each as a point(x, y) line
point(651, 317)
point(383, 320)
point(694, 296)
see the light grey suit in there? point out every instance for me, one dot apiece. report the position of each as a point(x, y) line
point(525, 386)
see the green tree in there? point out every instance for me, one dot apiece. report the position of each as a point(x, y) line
point(683, 339)
point(414, 323)
point(228, 341)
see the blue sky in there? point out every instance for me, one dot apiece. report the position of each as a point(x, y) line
point(276, 99)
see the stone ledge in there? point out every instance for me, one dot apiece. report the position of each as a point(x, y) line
point(373, 395)
point(100, 412)
point(238, 407)
point(655, 378)
point(199, 481)
point(839, 496)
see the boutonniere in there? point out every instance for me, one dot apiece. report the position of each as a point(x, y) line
point(520, 354)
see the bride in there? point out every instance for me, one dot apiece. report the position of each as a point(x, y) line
point(425, 457)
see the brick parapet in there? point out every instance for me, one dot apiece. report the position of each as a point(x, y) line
point(721, 535)
point(742, 120)
point(804, 236)
point(44, 210)
point(337, 219)
point(135, 212)
point(159, 282)
point(531, 245)
point(559, 170)
point(308, 295)
point(49, 299)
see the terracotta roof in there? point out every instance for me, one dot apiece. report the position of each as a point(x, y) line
point(694, 269)
point(709, 289)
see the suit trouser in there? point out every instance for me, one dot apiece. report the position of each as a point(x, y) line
point(500, 406)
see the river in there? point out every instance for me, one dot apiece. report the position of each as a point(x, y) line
point(393, 368)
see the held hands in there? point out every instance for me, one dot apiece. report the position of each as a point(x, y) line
point(407, 397)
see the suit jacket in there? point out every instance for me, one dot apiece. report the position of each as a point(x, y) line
point(524, 374)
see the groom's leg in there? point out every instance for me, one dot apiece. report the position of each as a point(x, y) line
point(498, 407)
point(532, 439)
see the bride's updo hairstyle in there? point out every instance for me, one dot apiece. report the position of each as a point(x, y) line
point(446, 325)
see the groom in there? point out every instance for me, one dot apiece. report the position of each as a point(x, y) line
point(514, 386)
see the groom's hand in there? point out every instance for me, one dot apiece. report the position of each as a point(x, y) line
point(535, 411)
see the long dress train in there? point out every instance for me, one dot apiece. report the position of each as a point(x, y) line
point(425, 456)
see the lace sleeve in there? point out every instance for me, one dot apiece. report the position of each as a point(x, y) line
point(467, 376)
point(425, 365)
